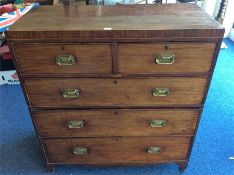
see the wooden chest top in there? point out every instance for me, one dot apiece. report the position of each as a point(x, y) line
point(116, 22)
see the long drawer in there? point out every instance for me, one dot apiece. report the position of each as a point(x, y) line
point(107, 123)
point(64, 58)
point(122, 150)
point(165, 58)
point(86, 92)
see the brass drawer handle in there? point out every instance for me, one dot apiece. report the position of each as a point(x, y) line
point(75, 124)
point(154, 150)
point(65, 60)
point(160, 92)
point(165, 59)
point(157, 123)
point(71, 93)
point(80, 150)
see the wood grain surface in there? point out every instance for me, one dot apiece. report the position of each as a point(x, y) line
point(115, 149)
point(115, 72)
point(115, 22)
point(108, 123)
point(40, 59)
point(190, 58)
point(115, 92)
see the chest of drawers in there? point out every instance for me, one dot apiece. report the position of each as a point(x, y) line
point(115, 85)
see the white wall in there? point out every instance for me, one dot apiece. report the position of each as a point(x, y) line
point(212, 8)
point(229, 18)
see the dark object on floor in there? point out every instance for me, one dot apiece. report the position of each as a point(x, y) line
point(157, 2)
point(186, 1)
point(6, 64)
point(4, 2)
point(41, 2)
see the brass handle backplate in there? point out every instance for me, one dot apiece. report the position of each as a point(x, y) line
point(80, 150)
point(71, 93)
point(75, 124)
point(65, 60)
point(154, 150)
point(165, 58)
point(160, 92)
point(157, 123)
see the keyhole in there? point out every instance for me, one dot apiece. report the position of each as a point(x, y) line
point(166, 47)
point(115, 82)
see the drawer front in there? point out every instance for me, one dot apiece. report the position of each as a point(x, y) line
point(71, 92)
point(60, 59)
point(101, 150)
point(104, 123)
point(165, 58)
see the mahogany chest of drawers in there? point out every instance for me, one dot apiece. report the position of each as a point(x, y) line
point(115, 85)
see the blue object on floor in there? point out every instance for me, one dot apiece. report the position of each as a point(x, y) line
point(20, 153)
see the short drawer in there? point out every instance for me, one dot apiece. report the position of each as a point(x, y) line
point(105, 123)
point(168, 58)
point(122, 150)
point(89, 92)
point(61, 58)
